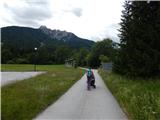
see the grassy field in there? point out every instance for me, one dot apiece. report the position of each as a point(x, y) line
point(139, 98)
point(25, 99)
point(27, 67)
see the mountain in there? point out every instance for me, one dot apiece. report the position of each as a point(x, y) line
point(67, 37)
point(28, 38)
point(54, 46)
point(59, 35)
point(24, 38)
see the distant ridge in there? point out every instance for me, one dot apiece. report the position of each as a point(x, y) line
point(27, 38)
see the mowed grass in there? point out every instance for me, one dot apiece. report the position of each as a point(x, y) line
point(23, 100)
point(140, 99)
point(28, 67)
point(19, 67)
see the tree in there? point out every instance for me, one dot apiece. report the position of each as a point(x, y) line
point(104, 47)
point(139, 37)
point(80, 56)
point(6, 55)
point(41, 56)
point(62, 53)
point(104, 58)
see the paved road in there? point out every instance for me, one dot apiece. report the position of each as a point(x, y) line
point(78, 103)
point(9, 77)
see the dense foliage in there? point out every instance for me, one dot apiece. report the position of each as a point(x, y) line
point(140, 39)
point(19, 43)
point(102, 51)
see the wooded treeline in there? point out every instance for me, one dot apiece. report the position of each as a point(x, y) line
point(101, 51)
point(18, 46)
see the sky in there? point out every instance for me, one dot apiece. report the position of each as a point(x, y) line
point(90, 19)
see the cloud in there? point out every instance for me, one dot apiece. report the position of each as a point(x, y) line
point(112, 32)
point(91, 19)
point(77, 12)
point(37, 2)
point(28, 12)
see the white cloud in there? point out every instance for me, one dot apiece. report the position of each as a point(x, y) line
point(77, 11)
point(24, 12)
point(92, 19)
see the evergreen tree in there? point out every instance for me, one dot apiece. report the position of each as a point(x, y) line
point(62, 53)
point(140, 33)
point(80, 57)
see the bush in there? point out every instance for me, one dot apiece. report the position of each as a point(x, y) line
point(21, 61)
point(104, 58)
point(11, 62)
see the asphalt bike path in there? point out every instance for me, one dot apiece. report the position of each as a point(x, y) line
point(79, 103)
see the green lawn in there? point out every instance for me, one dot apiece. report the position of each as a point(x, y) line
point(17, 67)
point(139, 98)
point(25, 99)
point(28, 67)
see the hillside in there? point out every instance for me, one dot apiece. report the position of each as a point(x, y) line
point(54, 46)
point(28, 38)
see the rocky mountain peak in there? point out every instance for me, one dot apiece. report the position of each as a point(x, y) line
point(42, 27)
point(57, 34)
